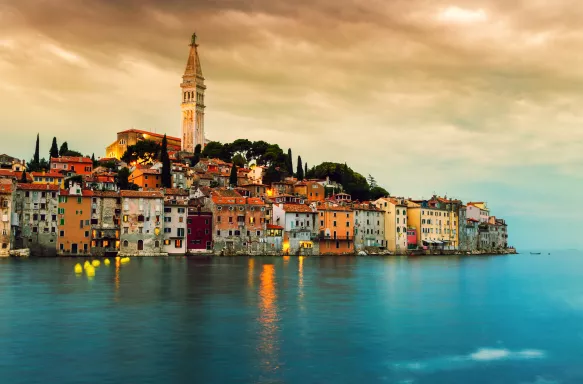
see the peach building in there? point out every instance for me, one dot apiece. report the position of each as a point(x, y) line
point(146, 178)
point(74, 221)
point(336, 227)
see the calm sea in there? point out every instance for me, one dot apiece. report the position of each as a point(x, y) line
point(502, 319)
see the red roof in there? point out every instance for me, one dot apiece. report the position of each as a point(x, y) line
point(56, 175)
point(84, 193)
point(228, 200)
point(255, 201)
point(150, 134)
point(13, 174)
point(5, 187)
point(38, 187)
point(297, 208)
point(106, 194)
point(143, 194)
point(71, 159)
point(176, 192)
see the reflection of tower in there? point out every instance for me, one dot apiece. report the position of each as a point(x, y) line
point(192, 101)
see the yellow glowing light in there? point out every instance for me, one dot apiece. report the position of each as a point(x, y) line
point(269, 192)
point(286, 246)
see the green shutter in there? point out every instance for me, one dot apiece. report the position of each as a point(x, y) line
point(62, 221)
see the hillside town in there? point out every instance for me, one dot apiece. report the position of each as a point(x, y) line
point(156, 195)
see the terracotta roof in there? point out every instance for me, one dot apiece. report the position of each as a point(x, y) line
point(84, 193)
point(149, 134)
point(327, 207)
point(225, 193)
point(148, 171)
point(108, 159)
point(253, 185)
point(297, 208)
point(273, 226)
point(176, 192)
point(71, 159)
point(6, 187)
point(38, 187)
point(228, 200)
point(142, 194)
point(47, 174)
point(106, 194)
point(255, 201)
point(14, 174)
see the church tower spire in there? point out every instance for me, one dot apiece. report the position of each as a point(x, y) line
point(192, 106)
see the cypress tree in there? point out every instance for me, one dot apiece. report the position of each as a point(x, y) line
point(233, 176)
point(64, 149)
point(166, 175)
point(54, 152)
point(23, 178)
point(300, 172)
point(306, 170)
point(289, 162)
point(197, 152)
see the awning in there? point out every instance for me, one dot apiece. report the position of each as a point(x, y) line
point(437, 242)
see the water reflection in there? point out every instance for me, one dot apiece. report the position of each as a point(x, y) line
point(301, 278)
point(250, 272)
point(268, 320)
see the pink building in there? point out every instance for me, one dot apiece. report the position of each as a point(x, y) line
point(411, 238)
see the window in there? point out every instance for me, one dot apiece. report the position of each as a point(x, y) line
point(218, 232)
point(321, 223)
point(230, 219)
point(126, 230)
point(348, 224)
point(180, 232)
point(125, 243)
point(86, 233)
point(140, 218)
point(334, 223)
point(61, 233)
point(180, 210)
point(62, 222)
point(178, 243)
point(218, 219)
point(125, 218)
point(167, 219)
point(230, 233)
point(167, 210)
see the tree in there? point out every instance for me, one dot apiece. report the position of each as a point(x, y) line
point(93, 160)
point(23, 178)
point(196, 157)
point(233, 176)
point(143, 152)
point(300, 171)
point(272, 175)
point(43, 165)
point(289, 162)
point(377, 192)
point(243, 147)
point(371, 181)
point(212, 150)
point(123, 178)
point(54, 151)
point(239, 160)
point(258, 149)
point(36, 150)
point(64, 149)
point(166, 175)
point(306, 171)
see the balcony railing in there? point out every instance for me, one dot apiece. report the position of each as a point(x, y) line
point(337, 237)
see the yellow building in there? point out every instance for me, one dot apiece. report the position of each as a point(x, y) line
point(396, 221)
point(132, 136)
point(52, 178)
point(436, 221)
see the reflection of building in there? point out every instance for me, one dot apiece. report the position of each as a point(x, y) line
point(132, 136)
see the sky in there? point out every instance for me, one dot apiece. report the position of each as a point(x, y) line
point(477, 100)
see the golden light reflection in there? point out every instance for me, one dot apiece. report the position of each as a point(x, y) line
point(285, 260)
point(301, 277)
point(250, 276)
point(268, 319)
point(116, 279)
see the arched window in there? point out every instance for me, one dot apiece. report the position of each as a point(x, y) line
point(125, 243)
point(140, 245)
point(156, 244)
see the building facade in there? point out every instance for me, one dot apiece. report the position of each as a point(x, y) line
point(142, 223)
point(131, 136)
point(72, 164)
point(336, 229)
point(299, 228)
point(199, 227)
point(395, 215)
point(7, 188)
point(175, 215)
point(35, 224)
point(74, 218)
point(369, 226)
point(192, 106)
point(105, 223)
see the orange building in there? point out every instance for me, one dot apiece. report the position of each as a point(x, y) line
point(73, 164)
point(74, 221)
point(336, 225)
point(146, 178)
point(312, 190)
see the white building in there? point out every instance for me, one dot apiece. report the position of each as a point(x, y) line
point(369, 226)
point(142, 223)
point(478, 211)
point(299, 226)
point(175, 214)
point(6, 195)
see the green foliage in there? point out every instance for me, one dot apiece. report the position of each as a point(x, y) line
point(272, 175)
point(23, 178)
point(54, 151)
point(111, 165)
point(196, 158)
point(166, 174)
point(34, 163)
point(239, 160)
point(70, 152)
point(123, 179)
point(212, 150)
point(242, 147)
point(305, 170)
point(289, 162)
point(36, 157)
point(233, 176)
point(64, 149)
point(353, 183)
point(214, 184)
point(300, 171)
point(143, 152)
point(377, 192)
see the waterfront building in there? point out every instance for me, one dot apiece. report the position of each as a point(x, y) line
point(131, 137)
point(449, 225)
point(77, 165)
point(282, 188)
point(274, 239)
point(193, 90)
point(51, 177)
point(437, 222)
point(146, 178)
point(478, 211)
point(142, 223)
point(7, 188)
point(240, 224)
point(336, 229)
point(74, 221)
point(179, 175)
point(395, 223)
point(299, 225)
point(315, 191)
point(35, 224)
point(411, 237)
point(105, 222)
point(199, 226)
point(175, 214)
point(369, 226)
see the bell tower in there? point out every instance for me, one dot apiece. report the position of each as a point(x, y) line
point(192, 107)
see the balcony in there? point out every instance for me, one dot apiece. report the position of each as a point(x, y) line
point(337, 237)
